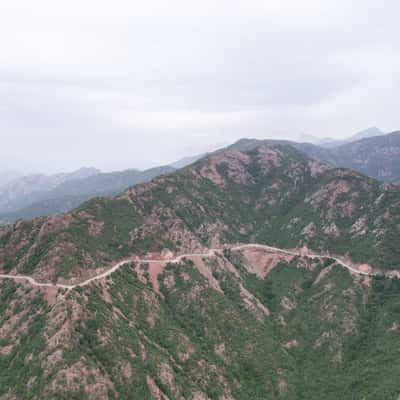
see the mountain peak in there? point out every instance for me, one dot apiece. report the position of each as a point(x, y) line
point(143, 294)
point(366, 133)
point(229, 196)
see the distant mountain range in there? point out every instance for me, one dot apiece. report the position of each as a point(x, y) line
point(221, 322)
point(183, 162)
point(40, 195)
point(27, 189)
point(330, 142)
point(377, 157)
point(36, 195)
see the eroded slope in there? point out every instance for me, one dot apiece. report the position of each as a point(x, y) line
point(242, 324)
point(271, 195)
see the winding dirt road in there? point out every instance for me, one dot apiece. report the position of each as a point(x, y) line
point(176, 260)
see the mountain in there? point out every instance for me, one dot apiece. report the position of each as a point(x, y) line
point(29, 197)
point(366, 133)
point(46, 207)
point(331, 142)
point(71, 193)
point(377, 157)
point(239, 322)
point(240, 325)
point(290, 201)
point(184, 162)
point(22, 191)
point(108, 183)
point(324, 142)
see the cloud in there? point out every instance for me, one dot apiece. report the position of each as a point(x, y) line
point(133, 84)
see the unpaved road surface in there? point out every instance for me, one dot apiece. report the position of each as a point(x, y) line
point(176, 260)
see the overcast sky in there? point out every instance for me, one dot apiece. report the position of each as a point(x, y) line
point(119, 84)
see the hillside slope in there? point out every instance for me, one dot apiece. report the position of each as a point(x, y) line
point(19, 192)
point(273, 195)
point(241, 325)
point(247, 323)
point(69, 194)
point(377, 157)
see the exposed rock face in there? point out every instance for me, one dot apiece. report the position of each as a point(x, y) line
point(248, 323)
point(377, 157)
point(271, 195)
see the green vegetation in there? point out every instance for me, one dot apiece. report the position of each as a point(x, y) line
point(308, 330)
point(17, 373)
point(328, 335)
point(275, 199)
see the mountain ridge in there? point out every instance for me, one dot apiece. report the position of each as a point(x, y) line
point(240, 323)
point(376, 157)
point(70, 194)
point(373, 156)
point(329, 142)
point(201, 205)
point(15, 192)
point(247, 323)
